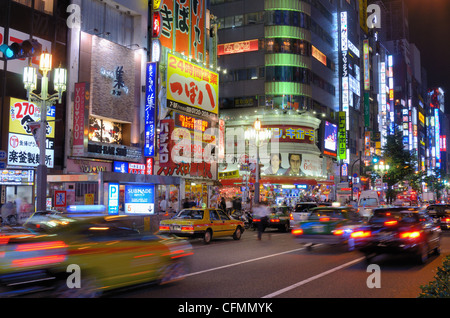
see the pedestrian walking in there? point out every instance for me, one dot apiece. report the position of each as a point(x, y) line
point(262, 212)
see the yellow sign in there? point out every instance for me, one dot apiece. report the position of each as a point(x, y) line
point(89, 199)
point(229, 174)
point(191, 88)
point(23, 113)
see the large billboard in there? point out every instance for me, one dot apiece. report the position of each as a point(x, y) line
point(191, 88)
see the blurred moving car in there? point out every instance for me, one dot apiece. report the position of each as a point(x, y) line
point(440, 212)
point(300, 213)
point(279, 218)
point(328, 225)
point(203, 223)
point(398, 230)
point(108, 253)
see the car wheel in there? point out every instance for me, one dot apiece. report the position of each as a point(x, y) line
point(437, 249)
point(423, 253)
point(88, 289)
point(173, 272)
point(369, 257)
point(207, 237)
point(237, 234)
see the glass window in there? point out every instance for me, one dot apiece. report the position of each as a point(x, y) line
point(223, 216)
point(213, 215)
point(239, 20)
point(45, 6)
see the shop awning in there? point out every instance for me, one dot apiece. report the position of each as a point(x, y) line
point(270, 180)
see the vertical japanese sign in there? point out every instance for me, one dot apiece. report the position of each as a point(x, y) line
point(342, 149)
point(79, 118)
point(183, 26)
point(165, 142)
point(150, 106)
point(366, 65)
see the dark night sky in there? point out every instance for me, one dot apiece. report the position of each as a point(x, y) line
point(429, 23)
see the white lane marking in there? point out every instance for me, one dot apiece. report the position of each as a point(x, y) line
point(303, 282)
point(243, 262)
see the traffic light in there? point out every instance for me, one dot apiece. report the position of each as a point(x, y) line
point(27, 48)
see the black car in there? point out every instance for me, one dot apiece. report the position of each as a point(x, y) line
point(278, 218)
point(398, 230)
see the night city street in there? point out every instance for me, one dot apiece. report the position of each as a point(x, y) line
point(217, 157)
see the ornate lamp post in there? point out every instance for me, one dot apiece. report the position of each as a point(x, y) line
point(30, 80)
point(259, 136)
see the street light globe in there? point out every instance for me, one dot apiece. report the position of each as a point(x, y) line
point(29, 78)
point(60, 79)
point(45, 62)
point(257, 124)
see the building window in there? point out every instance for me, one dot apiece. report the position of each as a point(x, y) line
point(45, 6)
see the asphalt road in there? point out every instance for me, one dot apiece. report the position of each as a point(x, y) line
point(278, 267)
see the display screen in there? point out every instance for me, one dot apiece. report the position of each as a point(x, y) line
point(330, 139)
point(191, 123)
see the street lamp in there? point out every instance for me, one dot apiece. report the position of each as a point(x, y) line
point(29, 81)
point(382, 169)
point(259, 135)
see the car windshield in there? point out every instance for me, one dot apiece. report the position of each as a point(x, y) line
point(279, 210)
point(304, 207)
point(326, 213)
point(381, 216)
point(190, 214)
point(368, 201)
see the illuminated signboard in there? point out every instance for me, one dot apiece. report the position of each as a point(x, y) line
point(150, 106)
point(443, 143)
point(156, 24)
point(183, 27)
point(319, 55)
point(291, 133)
point(113, 198)
point(330, 139)
point(140, 199)
point(16, 177)
point(23, 149)
point(342, 136)
point(238, 47)
point(366, 65)
point(191, 88)
point(191, 123)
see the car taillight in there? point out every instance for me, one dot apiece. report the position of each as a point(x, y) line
point(46, 251)
point(360, 234)
point(256, 220)
point(447, 220)
point(338, 232)
point(187, 228)
point(410, 235)
point(291, 217)
point(275, 220)
point(390, 223)
point(40, 246)
point(164, 228)
point(297, 231)
point(324, 219)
